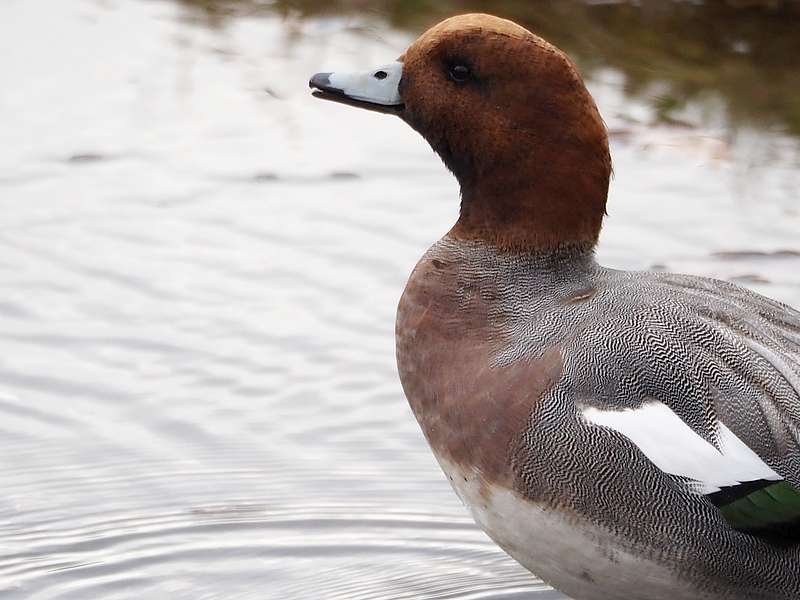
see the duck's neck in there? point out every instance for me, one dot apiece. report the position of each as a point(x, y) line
point(556, 271)
point(535, 208)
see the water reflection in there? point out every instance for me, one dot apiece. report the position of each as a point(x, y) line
point(671, 52)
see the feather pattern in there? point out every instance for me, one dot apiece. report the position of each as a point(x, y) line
point(653, 411)
point(716, 365)
point(724, 360)
point(677, 449)
point(769, 508)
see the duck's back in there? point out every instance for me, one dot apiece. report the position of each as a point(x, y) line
point(648, 419)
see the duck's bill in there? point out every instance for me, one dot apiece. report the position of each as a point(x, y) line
point(377, 90)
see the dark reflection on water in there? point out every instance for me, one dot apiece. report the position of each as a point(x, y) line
point(747, 51)
point(200, 263)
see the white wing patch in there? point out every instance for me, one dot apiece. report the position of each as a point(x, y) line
point(674, 447)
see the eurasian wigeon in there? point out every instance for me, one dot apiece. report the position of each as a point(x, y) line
point(625, 436)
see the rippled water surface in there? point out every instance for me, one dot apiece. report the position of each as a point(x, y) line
point(199, 267)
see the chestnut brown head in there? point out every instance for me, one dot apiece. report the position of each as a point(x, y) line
point(510, 116)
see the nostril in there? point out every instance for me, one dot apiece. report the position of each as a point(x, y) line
point(381, 75)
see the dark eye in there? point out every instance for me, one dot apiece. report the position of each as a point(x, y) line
point(380, 75)
point(459, 73)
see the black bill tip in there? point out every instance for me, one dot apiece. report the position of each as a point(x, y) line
point(322, 81)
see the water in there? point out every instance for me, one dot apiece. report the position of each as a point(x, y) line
point(199, 266)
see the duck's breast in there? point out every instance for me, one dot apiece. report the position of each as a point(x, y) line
point(451, 324)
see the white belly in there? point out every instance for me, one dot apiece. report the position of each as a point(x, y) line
point(576, 557)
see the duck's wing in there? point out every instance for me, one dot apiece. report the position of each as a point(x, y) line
point(706, 384)
point(751, 495)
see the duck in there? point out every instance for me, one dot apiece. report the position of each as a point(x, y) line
point(622, 435)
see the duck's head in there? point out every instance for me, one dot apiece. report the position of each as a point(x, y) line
point(510, 116)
